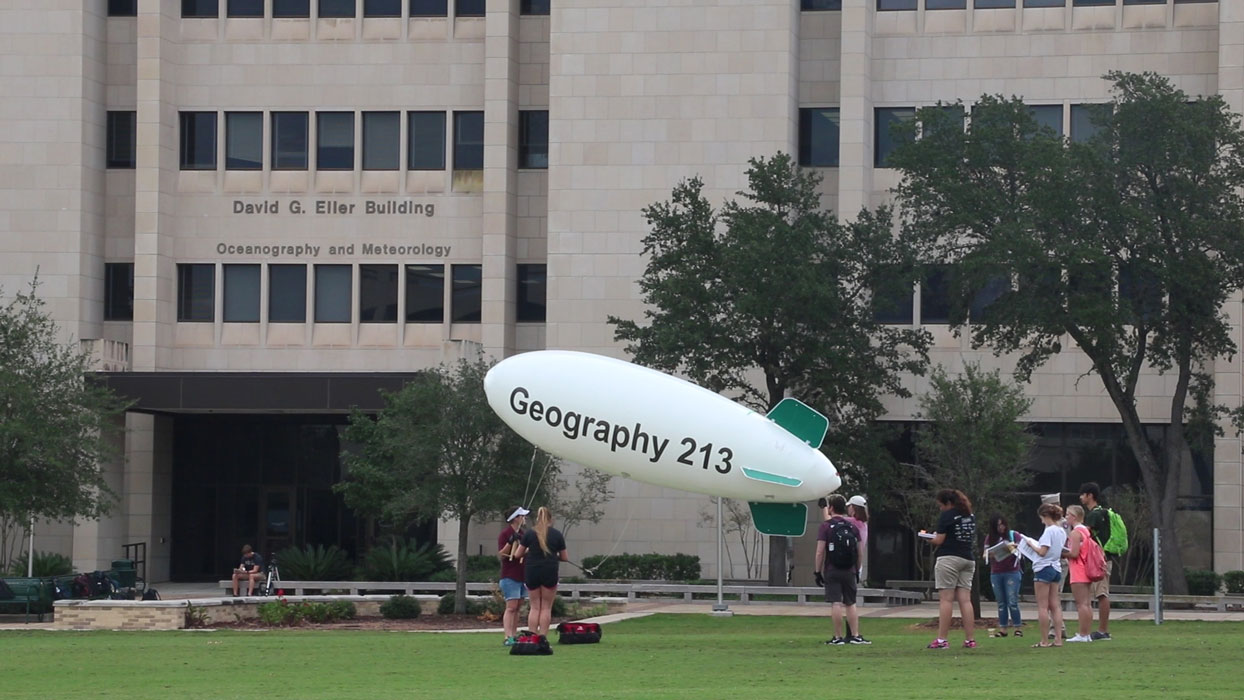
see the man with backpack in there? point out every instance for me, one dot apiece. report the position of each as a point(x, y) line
point(1109, 532)
point(837, 569)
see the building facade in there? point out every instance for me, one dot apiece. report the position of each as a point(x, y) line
point(259, 212)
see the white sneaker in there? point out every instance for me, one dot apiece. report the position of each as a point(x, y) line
point(1080, 638)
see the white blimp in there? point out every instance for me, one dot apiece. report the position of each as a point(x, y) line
point(646, 425)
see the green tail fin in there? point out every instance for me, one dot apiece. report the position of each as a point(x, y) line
point(801, 420)
point(788, 519)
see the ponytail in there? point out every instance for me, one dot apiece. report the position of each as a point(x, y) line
point(543, 520)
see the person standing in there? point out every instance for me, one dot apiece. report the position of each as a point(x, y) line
point(1046, 555)
point(512, 574)
point(857, 515)
point(1097, 519)
point(1055, 498)
point(955, 567)
point(837, 569)
point(543, 548)
point(1005, 576)
point(1078, 544)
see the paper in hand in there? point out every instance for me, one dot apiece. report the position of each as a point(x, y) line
point(1000, 551)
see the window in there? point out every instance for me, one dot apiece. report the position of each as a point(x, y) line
point(429, 8)
point(287, 293)
point(468, 140)
point(1045, 3)
point(955, 117)
point(200, 8)
point(378, 293)
point(469, 8)
point(533, 7)
point(992, 4)
point(935, 295)
point(532, 292)
point(1048, 116)
point(1082, 127)
point(332, 293)
point(244, 8)
point(243, 141)
point(382, 8)
point(892, 300)
point(991, 291)
point(425, 293)
point(196, 292)
point(467, 292)
point(1085, 3)
point(118, 291)
point(119, 137)
point(818, 5)
point(122, 8)
point(242, 293)
point(426, 141)
point(890, 5)
point(198, 140)
point(1158, 2)
point(336, 8)
point(382, 142)
point(884, 139)
point(291, 8)
point(533, 138)
point(334, 140)
point(818, 137)
point(1140, 292)
point(289, 140)
point(945, 4)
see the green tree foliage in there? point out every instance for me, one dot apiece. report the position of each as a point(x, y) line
point(771, 285)
point(57, 428)
point(1129, 244)
point(437, 450)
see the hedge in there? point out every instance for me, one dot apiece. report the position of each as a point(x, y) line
point(643, 567)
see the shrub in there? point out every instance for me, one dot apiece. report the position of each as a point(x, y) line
point(401, 607)
point(1202, 582)
point(404, 560)
point(1234, 581)
point(559, 606)
point(314, 563)
point(446, 576)
point(280, 613)
point(47, 564)
point(446, 605)
point(644, 567)
point(317, 612)
point(343, 610)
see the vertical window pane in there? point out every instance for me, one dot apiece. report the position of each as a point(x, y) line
point(945, 4)
point(469, 8)
point(992, 4)
point(122, 8)
point(468, 140)
point(534, 7)
point(332, 293)
point(532, 291)
point(1050, 116)
point(1082, 117)
point(378, 293)
point(196, 292)
point(287, 293)
point(198, 140)
point(336, 8)
point(893, 302)
point(533, 139)
point(429, 8)
point(992, 290)
point(289, 140)
point(1055, 3)
point(886, 5)
point(118, 291)
point(426, 147)
point(291, 8)
point(243, 141)
point(381, 140)
point(467, 293)
point(244, 8)
point(242, 293)
point(382, 8)
point(200, 8)
point(334, 141)
point(425, 293)
point(120, 134)
point(818, 137)
point(884, 138)
point(935, 295)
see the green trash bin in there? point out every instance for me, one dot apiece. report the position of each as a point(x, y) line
point(126, 575)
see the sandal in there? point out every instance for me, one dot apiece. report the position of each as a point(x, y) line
point(1041, 645)
point(1019, 633)
point(999, 633)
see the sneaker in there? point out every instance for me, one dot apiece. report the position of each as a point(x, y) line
point(1080, 638)
point(969, 644)
point(857, 640)
point(836, 641)
point(938, 644)
point(509, 642)
point(1100, 636)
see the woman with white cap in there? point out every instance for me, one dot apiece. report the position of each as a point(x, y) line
point(511, 583)
point(857, 515)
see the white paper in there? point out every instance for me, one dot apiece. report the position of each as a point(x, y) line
point(1027, 547)
point(1000, 551)
point(926, 535)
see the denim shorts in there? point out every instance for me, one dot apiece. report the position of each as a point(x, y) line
point(1049, 574)
point(513, 590)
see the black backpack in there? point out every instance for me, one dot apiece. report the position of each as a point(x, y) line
point(842, 547)
point(151, 594)
point(528, 644)
point(101, 585)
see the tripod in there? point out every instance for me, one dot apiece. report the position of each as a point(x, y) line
point(272, 578)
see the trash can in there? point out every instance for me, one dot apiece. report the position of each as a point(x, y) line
point(126, 574)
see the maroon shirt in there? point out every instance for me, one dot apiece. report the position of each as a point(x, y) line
point(510, 568)
point(1008, 565)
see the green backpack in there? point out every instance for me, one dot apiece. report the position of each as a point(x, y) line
point(1117, 544)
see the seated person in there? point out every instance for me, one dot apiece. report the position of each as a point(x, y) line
point(250, 568)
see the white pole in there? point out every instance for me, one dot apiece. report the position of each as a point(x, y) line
point(720, 608)
point(30, 553)
point(1157, 576)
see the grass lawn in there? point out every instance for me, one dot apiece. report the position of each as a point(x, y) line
point(664, 656)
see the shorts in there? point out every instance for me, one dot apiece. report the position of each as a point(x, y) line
point(953, 572)
point(1101, 589)
point(541, 578)
point(513, 590)
point(840, 585)
point(1049, 574)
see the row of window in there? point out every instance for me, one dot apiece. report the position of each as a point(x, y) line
point(290, 138)
point(896, 5)
point(819, 126)
point(379, 288)
point(328, 8)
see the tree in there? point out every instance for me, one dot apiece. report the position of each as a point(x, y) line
point(438, 450)
point(57, 428)
point(771, 285)
point(1128, 244)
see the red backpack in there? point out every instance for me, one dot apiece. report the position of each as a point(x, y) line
point(1091, 555)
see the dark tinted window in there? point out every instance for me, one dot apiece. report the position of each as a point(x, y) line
point(332, 293)
point(196, 292)
point(469, 8)
point(425, 293)
point(334, 141)
point(818, 137)
point(935, 295)
point(382, 144)
point(1045, 3)
point(244, 8)
point(894, 304)
point(289, 140)
point(468, 140)
point(200, 8)
point(1050, 116)
point(122, 8)
point(426, 141)
point(382, 8)
point(118, 291)
point(198, 140)
point(533, 139)
point(1083, 3)
point(336, 8)
point(1082, 126)
point(243, 141)
point(291, 8)
point(287, 293)
point(378, 293)
point(429, 8)
point(467, 290)
point(945, 4)
point(533, 7)
point(242, 293)
point(119, 139)
point(992, 4)
point(814, 5)
point(884, 143)
point(885, 5)
point(532, 292)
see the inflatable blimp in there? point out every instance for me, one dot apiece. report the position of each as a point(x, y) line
point(649, 426)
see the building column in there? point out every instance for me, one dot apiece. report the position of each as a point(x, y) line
point(97, 542)
point(855, 110)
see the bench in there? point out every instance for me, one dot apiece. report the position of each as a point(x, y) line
point(925, 587)
point(31, 595)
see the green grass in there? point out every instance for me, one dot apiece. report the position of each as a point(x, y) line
point(664, 656)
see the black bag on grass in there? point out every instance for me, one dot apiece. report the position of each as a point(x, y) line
point(578, 633)
point(528, 644)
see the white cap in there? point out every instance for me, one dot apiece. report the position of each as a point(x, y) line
point(1051, 498)
point(858, 500)
point(517, 512)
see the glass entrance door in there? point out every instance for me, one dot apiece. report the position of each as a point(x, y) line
point(277, 517)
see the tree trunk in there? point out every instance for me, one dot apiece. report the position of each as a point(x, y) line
point(777, 560)
point(460, 587)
